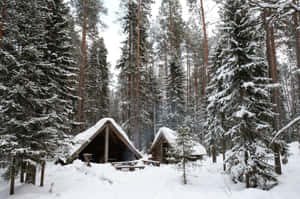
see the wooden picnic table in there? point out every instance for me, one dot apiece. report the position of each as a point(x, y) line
point(130, 168)
point(127, 163)
point(151, 162)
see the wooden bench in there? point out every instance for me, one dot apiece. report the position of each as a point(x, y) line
point(151, 162)
point(130, 168)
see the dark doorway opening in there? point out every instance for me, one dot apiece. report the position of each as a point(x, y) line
point(118, 151)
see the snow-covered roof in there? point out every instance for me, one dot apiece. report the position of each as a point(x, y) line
point(89, 134)
point(171, 136)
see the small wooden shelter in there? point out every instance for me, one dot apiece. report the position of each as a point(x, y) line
point(165, 139)
point(104, 142)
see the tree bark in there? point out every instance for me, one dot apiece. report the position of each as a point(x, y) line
point(130, 77)
point(271, 57)
point(22, 171)
point(224, 152)
point(42, 174)
point(12, 177)
point(184, 171)
point(81, 89)
point(188, 77)
point(214, 154)
point(247, 175)
point(196, 81)
point(171, 29)
point(3, 10)
point(138, 76)
point(297, 35)
point(34, 175)
point(166, 60)
point(277, 160)
point(206, 77)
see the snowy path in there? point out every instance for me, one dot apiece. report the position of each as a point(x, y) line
point(76, 181)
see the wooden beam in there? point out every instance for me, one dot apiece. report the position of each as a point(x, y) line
point(106, 150)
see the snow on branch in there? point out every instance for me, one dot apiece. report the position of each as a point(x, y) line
point(285, 128)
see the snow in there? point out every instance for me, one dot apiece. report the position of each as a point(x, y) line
point(86, 135)
point(171, 136)
point(242, 112)
point(207, 180)
point(294, 121)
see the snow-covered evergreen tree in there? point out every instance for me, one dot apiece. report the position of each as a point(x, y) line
point(184, 148)
point(175, 94)
point(35, 72)
point(58, 53)
point(245, 96)
point(215, 123)
point(97, 80)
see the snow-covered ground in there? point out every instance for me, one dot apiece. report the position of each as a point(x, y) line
point(77, 181)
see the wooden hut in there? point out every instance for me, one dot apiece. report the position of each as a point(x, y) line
point(104, 142)
point(165, 139)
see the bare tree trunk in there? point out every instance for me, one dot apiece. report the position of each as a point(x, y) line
point(206, 76)
point(138, 75)
point(297, 35)
point(166, 59)
point(42, 174)
point(22, 171)
point(224, 152)
point(12, 177)
point(184, 171)
point(214, 154)
point(2, 21)
point(81, 89)
point(196, 80)
point(247, 175)
point(271, 56)
point(130, 77)
point(171, 29)
point(188, 77)
point(277, 160)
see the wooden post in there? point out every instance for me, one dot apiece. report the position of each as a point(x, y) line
point(12, 177)
point(42, 173)
point(106, 144)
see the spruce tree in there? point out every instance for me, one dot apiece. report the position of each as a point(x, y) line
point(184, 148)
point(245, 97)
point(215, 114)
point(35, 72)
point(58, 53)
point(175, 95)
point(97, 81)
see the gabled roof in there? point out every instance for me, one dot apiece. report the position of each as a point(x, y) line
point(170, 136)
point(83, 139)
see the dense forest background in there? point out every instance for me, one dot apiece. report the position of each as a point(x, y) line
point(234, 90)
